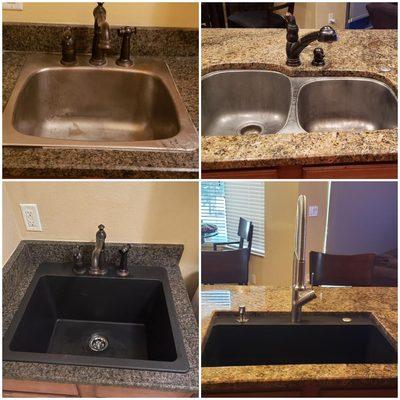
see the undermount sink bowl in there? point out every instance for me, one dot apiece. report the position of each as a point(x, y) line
point(321, 338)
point(239, 102)
point(86, 106)
point(242, 102)
point(346, 104)
point(103, 321)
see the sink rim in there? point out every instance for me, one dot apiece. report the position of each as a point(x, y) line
point(292, 124)
point(186, 140)
point(179, 365)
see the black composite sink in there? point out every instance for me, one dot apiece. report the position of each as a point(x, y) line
point(321, 338)
point(105, 321)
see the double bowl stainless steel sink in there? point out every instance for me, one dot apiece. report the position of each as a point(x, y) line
point(237, 102)
point(320, 338)
point(103, 321)
point(102, 107)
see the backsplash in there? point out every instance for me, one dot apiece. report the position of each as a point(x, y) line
point(155, 42)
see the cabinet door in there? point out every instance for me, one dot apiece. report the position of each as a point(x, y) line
point(364, 171)
point(38, 388)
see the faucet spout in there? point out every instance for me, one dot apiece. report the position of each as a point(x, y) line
point(300, 294)
point(294, 45)
point(101, 37)
point(97, 263)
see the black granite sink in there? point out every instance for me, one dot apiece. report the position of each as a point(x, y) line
point(321, 338)
point(105, 321)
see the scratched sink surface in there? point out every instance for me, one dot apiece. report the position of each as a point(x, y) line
point(86, 106)
point(104, 321)
point(241, 102)
point(271, 339)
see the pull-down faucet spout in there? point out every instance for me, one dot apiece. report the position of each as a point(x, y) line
point(300, 294)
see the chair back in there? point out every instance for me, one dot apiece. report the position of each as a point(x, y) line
point(341, 270)
point(245, 232)
point(228, 266)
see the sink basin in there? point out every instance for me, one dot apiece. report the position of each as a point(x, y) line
point(238, 102)
point(346, 104)
point(321, 338)
point(86, 106)
point(242, 102)
point(97, 321)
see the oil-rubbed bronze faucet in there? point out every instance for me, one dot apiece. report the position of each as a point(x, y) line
point(294, 45)
point(300, 294)
point(101, 38)
point(97, 266)
point(124, 59)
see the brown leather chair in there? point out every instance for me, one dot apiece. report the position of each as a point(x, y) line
point(341, 270)
point(228, 266)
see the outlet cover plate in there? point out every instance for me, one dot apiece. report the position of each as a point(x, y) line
point(13, 6)
point(30, 214)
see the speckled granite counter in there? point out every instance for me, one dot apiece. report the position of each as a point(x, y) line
point(25, 162)
point(382, 302)
point(357, 53)
point(19, 271)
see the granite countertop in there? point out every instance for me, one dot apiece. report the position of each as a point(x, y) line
point(178, 48)
point(18, 273)
point(381, 302)
point(357, 53)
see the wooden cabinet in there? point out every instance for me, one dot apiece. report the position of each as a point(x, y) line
point(345, 171)
point(20, 388)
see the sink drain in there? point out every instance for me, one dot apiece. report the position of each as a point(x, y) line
point(98, 342)
point(250, 129)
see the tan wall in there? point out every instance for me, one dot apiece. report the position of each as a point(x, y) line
point(312, 15)
point(179, 15)
point(11, 228)
point(139, 212)
point(275, 268)
point(317, 195)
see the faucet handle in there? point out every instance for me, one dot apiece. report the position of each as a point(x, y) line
point(123, 270)
point(78, 268)
point(68, 56)
point(124, 59)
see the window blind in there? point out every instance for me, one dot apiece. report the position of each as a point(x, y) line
point(213, 209)
point(247, 200)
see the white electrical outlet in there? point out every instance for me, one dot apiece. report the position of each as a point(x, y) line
point(313, 211)
point(331, 19)
point(30, 214)
point(13, 6)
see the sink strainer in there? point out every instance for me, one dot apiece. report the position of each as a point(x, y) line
point(250, 129)
point(98, 342)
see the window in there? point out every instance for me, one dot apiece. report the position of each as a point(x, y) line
point(223, 203)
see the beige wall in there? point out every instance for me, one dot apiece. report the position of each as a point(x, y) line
point(139, 212)
point(311, 15)
point(317, 195)
point(11, 228)
point(179, 15)
point(275, 268)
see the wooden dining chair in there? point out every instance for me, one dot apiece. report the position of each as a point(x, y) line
point(341, 270)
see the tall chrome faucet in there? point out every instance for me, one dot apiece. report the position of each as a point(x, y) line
point(294, 45)
point(97, 266)
point(101, 37)
point(300, 294)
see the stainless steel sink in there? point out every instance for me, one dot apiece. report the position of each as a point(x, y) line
point(346, 104)
point(242, 102)
point(85, 106)
point(237, 102)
